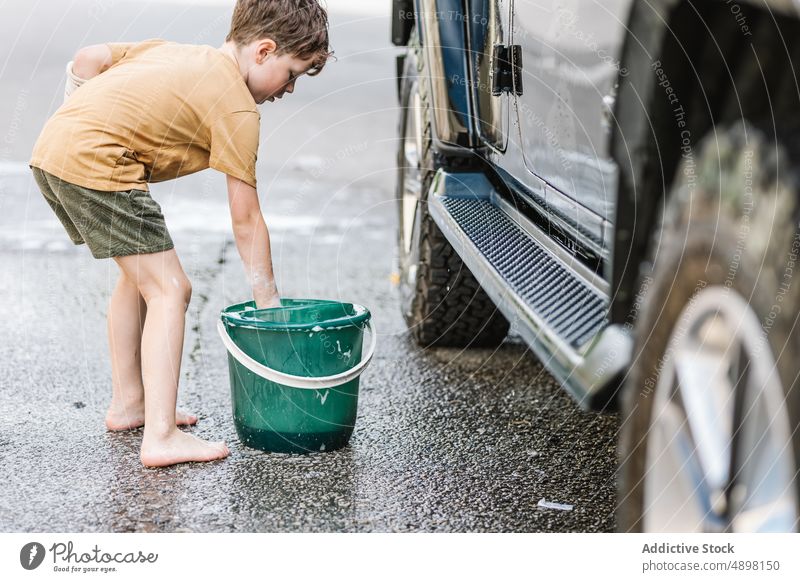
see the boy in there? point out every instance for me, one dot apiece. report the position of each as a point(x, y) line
point(154, 111)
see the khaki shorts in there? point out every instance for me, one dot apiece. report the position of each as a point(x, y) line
point(111, 224)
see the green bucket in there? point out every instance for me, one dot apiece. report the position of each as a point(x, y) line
point(294, 372)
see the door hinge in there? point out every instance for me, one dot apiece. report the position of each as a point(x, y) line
point(507, 69)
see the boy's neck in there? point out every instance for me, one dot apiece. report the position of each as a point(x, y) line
point(230, 50)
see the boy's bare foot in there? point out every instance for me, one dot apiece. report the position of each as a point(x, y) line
point(179, 447)
point(130, 417)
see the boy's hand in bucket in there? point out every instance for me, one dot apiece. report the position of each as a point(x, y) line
point(268, 303)
point(252, 240)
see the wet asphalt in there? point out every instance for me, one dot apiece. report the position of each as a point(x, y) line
point(446, 440)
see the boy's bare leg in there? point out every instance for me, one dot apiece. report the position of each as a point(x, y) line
point(167, 291)
point(126, 317)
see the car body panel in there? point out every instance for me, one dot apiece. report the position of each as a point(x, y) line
point(570, 68)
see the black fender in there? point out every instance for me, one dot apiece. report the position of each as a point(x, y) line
point(630, 148)
point(646, 139)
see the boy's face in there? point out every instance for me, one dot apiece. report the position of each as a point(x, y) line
point(271, 74)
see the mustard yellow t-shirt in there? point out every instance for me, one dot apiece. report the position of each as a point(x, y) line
point(161, 111)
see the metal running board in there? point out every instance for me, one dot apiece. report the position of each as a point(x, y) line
point(559, 307)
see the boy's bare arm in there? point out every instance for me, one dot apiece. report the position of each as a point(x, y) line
point(252, 240)
point(92, 60)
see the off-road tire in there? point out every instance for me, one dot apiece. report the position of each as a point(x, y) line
point(445, 306)
point(700, 243)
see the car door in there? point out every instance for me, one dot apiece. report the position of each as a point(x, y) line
point(489, 27)
point(570, 59)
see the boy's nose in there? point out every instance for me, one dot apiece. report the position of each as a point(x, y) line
point(290, 88)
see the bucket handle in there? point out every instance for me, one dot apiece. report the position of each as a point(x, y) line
point(304, 382)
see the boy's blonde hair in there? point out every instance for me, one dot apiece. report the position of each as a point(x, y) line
point(298, 27)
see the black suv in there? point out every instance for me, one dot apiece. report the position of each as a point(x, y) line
point(618, 182)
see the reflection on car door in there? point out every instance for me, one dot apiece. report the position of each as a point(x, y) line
point(570, 55)
point(490, 27)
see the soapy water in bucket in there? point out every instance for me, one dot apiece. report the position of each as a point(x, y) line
point(305, 339)
point(330, 344)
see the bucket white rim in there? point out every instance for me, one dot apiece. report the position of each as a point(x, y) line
point(301, 382)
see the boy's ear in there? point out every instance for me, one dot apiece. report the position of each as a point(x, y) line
point(264, 48)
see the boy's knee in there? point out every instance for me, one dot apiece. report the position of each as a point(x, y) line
point(173, 286)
